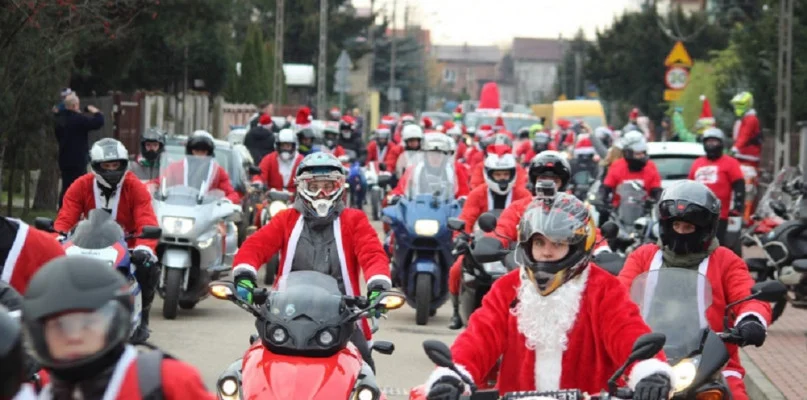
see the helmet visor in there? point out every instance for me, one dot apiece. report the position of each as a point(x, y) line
point(81, 334)
point(683, 210)
point(320, 186)
point(556, 222)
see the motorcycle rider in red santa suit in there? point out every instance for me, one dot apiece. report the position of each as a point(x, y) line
point(497, 143)
point(635, 165)
point(111, 187)
point(689, 213)
point(412, 138)
point(23, 250)
point(201, 144)
point(382, 150)
point(555, 313)
point(498, 193)
point(437, 164)
point(77, 317)
point(318, 233)
point(279, 167)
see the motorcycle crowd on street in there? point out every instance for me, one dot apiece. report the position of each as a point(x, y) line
point(569, 264)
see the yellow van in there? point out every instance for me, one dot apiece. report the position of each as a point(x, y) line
point(590, 111)
point(542, 111)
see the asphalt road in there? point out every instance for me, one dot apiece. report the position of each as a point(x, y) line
point(217, 332)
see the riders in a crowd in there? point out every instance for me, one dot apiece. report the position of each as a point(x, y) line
point(278, 168)
point(147, 164)
point(382, 150)
point(350, 139)
point(412, 139)
point(747, 133)
point(499, 143)
point(201, 144)
point(635, 165)
point(436, 166)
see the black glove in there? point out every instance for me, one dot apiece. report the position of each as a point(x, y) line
point(752, 331)
point(460, 244)
point(141, 258)
point(446, 388)
point(653, 387)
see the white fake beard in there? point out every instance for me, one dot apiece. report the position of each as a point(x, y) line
point(545, 321)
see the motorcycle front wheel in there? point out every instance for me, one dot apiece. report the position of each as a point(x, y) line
point(173, 287)
point(423, 298)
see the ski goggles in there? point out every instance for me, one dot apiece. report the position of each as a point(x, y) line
point(314, 186)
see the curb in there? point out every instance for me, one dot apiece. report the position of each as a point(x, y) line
point(757, 385)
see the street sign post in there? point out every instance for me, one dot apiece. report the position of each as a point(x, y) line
point(341, 82)
point(394, 94)
point(678, 63)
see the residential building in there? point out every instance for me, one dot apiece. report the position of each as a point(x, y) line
point(535, 69)
point(463, 67)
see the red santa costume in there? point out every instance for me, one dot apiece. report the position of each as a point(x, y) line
point(730, 281)
point(179, 380)
point(619, 173)
point(29, 251)
point(357, 244)
point(277, 174)
point(543, 341)
point(747, 139)
point(130, 206)
point(563, 137)
point(478, 176)
point(388, 155)
point(474, 155)
point(583, 145)
point(217, 177)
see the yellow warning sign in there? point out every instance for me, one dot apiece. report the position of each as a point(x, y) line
point(678, 56)
point(672, 95)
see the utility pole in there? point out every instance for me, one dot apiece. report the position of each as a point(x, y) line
point(562, 66)
point(277, 79)
point(392, 103)
point(783, 83)
point(322, 66)
point(368, 126)
point(578, 71)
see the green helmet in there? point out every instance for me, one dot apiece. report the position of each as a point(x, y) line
point(535, 128)
point(742, 103)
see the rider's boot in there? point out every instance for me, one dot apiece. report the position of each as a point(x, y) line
point(456, 320)
point(147, 277)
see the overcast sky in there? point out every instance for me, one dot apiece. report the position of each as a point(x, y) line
point(484, 22)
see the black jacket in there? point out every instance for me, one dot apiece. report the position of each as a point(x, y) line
point(356, 144)
point(260, 142)
point(72, 134)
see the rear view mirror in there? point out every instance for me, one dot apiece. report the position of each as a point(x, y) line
point(609, 230)
point(151, 232)
point(769, 291)
point(487, 222)
point(383, 347)
point(253, 170)
point(456, 224)
point(44, 224)
point(779, 208)
point(439, 353)
point(275, 195)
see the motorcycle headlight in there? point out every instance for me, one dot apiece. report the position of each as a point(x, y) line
point(276, 207)
point(279, 335)
point(326, 337)
point(203, 244)
point(229, 388)
point(427, 227)
point(364, 392)
point(684, 373)
point(177, 225)
point(494, 268)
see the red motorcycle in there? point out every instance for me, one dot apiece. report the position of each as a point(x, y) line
point(303, 348)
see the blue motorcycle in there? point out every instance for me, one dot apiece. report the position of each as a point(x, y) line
point(421, 253)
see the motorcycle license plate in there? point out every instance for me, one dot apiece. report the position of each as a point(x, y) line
point(734, 224)
point(567, 394)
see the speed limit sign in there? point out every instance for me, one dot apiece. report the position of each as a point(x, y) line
point(676, 77)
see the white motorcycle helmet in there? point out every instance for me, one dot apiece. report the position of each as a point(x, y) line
point(286, 136)
point(320, 183)
point(435, 141)
point(500, 162)
point(109, 150)
point(410, 132)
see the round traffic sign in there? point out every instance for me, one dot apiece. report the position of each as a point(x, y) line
point(676, 77)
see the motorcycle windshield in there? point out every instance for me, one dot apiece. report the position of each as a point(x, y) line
point(305, 303)
point(98, 231)
point(434, 176)
point(775, 193)
point(673, 301)
point(185, 180)
point(631, 203)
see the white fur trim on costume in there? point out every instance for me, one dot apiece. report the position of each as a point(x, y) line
point(379, 278)
point(15, 250)
point(545, 322)
point(602, 249)
point(26, 392)
point(245, 269)
point(645, 368)
point(148, 249)
point(732, 373)
point(442, 371)
point(752, 314)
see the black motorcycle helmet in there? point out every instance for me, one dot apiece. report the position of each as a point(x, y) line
point(713, 142)
point(540, 142)
point(330, 135)
point(72, 286)
point(524, 133)
point(550, 164)
point(692, 202)
point(201, 140)
point(305, 139)
point(152, 135)
point(12, 355)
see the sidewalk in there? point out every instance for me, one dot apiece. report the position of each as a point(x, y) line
point(778, 369)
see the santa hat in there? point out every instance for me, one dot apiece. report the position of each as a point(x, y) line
point(408, 117)
point(563, 123)
point(348, 119)
point(706, 118)
point(484, 131)
point(427, 123)
point(634, 113)
point(265, 119)
point(447, 125)
point(458, 110)
point(499, 124)
point(382, 129)
point(388, 120)
point(303, 117)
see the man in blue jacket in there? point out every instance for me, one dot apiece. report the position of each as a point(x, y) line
point(72, 134)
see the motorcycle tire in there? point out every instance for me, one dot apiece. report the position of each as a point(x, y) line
point(173, 287)
point(187, 304)
point(375, 205)
point(423, 298)
point(271, 270)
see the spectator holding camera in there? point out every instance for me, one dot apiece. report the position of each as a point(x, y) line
point(72, 135)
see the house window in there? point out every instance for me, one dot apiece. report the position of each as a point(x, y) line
point(449, 75)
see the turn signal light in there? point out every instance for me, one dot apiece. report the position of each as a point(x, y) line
point(713, 394)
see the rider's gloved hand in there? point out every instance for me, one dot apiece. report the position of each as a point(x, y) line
point(752, 331)
point(446, 388)
point(393, 199)
point(143, 257)
point(244, 287)
point(374, 289)
point(460, 243)
point(653, 387)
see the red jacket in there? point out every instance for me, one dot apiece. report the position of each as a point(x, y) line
point(479, 202)
point(270, 172)
point(568, 140)
point(390, 159)
point(597, 318)
point(619, 173)
point(131, 206)
point(462, 148)
point(360, 249)
point(474, 155)
point(30, 250)
point(748, 143)
point(525, 152)
point(219, 179)
point(728, 275)
point(718, 175)
point(460, 182)
point(179, 380)
point(478, 176)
